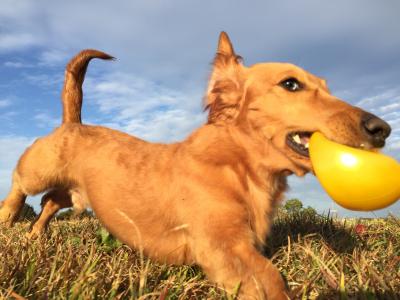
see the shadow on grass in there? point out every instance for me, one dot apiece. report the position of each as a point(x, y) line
point(299, 224)
point(361, 295)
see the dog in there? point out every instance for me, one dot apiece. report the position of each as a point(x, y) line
point(208, 200)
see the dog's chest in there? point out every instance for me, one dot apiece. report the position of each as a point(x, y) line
point(262, 202)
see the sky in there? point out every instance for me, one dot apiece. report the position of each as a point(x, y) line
point(164, 49)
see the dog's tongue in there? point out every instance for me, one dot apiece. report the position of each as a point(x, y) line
point(304, 139)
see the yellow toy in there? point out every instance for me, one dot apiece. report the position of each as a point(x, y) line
point(356, 179)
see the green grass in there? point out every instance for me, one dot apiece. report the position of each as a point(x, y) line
point(320, 258)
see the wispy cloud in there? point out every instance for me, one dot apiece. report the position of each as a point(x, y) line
point(377, 100)
point(392, 107)
point(11, 148)
point(17, 64)
point(43, 119)
point(394, 145)
point(16, 41)
point(8, 115)
point(45, 80)
point(4, 103)
point(47, 58)
point(53, 57)
point(145, 108)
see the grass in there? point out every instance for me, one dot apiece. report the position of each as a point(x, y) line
point(320, 257)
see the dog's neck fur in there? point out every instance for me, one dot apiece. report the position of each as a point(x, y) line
point(257, 179)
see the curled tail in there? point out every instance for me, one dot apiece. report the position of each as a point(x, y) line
point(74, 76)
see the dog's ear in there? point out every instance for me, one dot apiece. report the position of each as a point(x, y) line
point(224, 45)
point(225, 87)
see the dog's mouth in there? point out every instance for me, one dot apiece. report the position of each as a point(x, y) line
point(298, 141)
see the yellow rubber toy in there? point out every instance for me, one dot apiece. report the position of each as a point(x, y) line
point(356, 179)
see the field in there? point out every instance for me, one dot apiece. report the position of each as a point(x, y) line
point(320, 257)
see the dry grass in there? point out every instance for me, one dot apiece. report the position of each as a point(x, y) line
point(321, 258)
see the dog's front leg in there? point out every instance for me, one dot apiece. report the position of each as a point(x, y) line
point(51, 203)
point(230, 259)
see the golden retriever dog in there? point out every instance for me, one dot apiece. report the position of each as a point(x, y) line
point(208, 200)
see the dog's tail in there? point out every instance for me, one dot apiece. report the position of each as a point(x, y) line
point(74, 76)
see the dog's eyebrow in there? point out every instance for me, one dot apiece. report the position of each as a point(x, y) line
point(324, 84)
point(305, 79)
point(320, 82)
point(290, 74)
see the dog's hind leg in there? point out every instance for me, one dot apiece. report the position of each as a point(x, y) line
point(36, 172)
point(13, 203)
point(51, 203)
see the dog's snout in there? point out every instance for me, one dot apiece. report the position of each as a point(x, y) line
point(375, 129)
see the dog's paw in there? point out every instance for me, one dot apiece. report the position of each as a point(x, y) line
point(33, 234)
point(5, 217)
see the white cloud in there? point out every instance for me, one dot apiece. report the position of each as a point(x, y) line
point(169, 126)
point(15, 41)
point(395, 123)
point(392, 107)
point(9, 115)
point(15, 64)
point(394, 146)
point(44, 120)
point(137, 31)
point(377, 99)
point(53, 57)
point(4, 103)
point(144, 108)
point(16, 9)
point(46, 80)
point(11, 148)
point(20, 21)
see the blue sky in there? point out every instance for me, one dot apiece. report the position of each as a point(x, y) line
point(164, 48)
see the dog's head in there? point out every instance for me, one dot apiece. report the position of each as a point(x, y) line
point(283, 105)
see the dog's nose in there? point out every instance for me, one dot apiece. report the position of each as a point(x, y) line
point(375, 129)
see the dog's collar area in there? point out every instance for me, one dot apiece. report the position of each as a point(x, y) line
point(298, 141)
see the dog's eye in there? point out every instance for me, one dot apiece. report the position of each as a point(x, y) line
point(291, 84)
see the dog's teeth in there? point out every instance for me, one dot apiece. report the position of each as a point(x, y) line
point(362, 145)
point(306, 145)
point(297, 139)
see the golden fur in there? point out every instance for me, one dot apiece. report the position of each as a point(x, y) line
point(207, 200)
